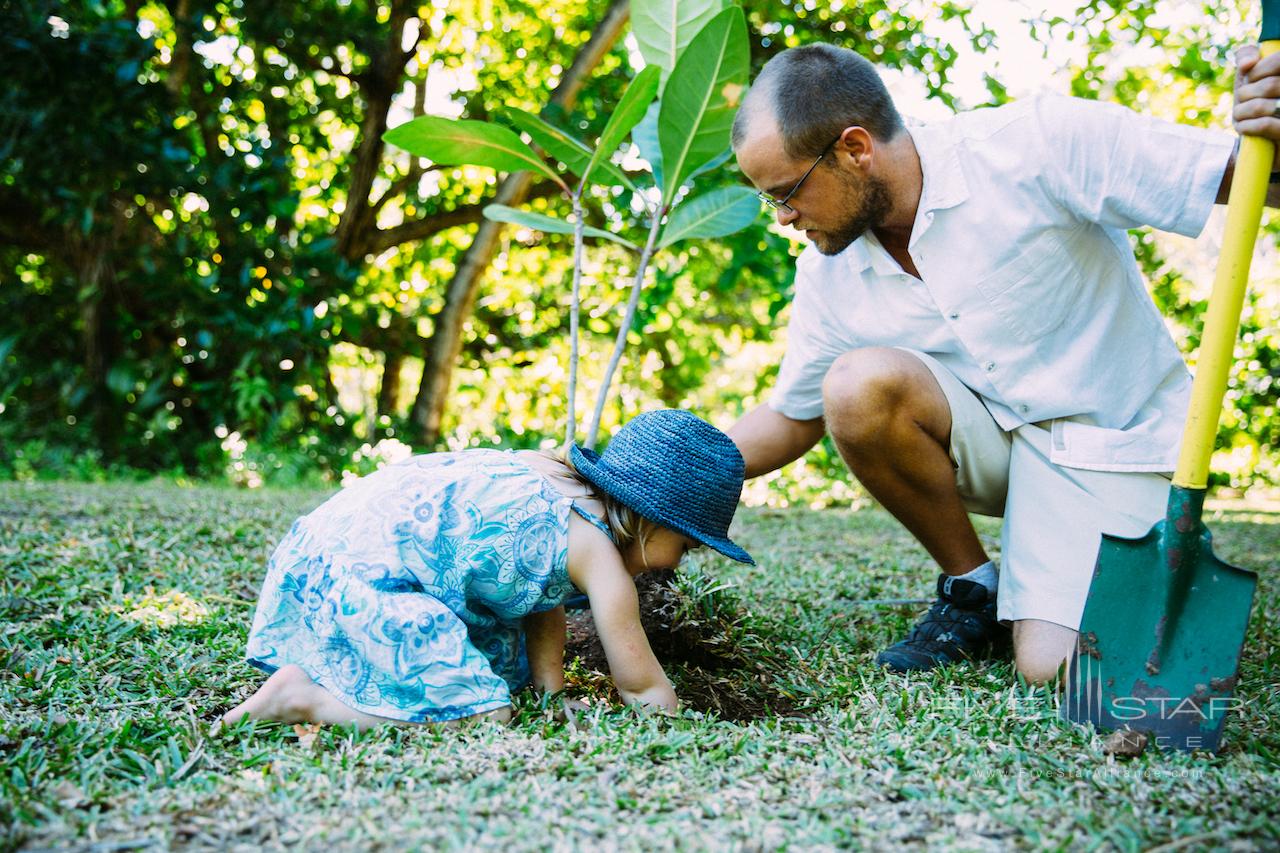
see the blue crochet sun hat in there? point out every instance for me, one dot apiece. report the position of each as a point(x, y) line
point(674, 469)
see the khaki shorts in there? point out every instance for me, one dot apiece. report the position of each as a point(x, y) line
point(1054, 517)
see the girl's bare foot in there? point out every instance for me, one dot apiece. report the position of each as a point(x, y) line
point(290, 696)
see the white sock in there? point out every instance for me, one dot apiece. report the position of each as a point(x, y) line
point(986, 574)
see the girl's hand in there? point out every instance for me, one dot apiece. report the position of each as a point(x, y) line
point(596, 568)
point(660, 697)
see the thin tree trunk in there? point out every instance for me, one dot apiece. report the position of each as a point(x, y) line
point(624, 328)
point(96, 306)
point(180, 67)
point(446, 341)
point(389, 389)
point(575, 305)
point(378, 86)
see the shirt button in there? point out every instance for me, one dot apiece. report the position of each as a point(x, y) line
point(990, 366)
point(1024, 408)
point(954, 315)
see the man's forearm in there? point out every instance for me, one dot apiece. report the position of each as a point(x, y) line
point(768, 440)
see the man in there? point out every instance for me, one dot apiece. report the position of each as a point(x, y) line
point(971, 327)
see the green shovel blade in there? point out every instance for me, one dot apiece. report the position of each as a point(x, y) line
point(1161, 634)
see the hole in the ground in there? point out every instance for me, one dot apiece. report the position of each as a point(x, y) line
point(698, 637)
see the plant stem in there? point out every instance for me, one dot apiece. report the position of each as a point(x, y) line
point(575, 300)
point(621, 343)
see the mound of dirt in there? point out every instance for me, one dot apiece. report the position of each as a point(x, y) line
point(710, 673)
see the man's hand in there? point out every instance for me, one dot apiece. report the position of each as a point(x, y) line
point(1256, 113)
point(1257, 96)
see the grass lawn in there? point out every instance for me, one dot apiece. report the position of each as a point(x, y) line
point(107, 691)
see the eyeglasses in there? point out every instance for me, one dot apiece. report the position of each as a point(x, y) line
point(781, 203)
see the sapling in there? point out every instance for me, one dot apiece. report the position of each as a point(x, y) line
point(678, 111)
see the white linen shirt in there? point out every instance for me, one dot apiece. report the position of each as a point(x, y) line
point(1029, 291)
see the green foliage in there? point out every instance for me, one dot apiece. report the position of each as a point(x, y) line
point(1188, 71)
point(637, 98)
point(167, 281)
point(664, 29)
point(454, 143)
point(700, 99)
point(694, 119)
point(549, 224)
point(575, 155)
point(172, 191)
point(645, 135)
point(716, 214)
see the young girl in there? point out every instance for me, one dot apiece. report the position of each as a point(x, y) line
point(431, 589)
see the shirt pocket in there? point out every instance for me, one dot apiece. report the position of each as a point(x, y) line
point(1034, 293)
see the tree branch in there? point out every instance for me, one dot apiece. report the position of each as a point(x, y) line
point(379, 88)
point(420, 229)
point(180, 66)
point(402, 184)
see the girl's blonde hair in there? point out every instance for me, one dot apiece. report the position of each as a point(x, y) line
point(625, 523)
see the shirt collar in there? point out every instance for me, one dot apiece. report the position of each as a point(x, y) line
point(944, 186)
point(944, 182)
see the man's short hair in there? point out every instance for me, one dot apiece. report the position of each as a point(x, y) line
point(815, 91)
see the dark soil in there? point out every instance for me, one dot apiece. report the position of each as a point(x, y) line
point(710, 672)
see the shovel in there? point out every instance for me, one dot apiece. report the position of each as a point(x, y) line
point(1160, 638)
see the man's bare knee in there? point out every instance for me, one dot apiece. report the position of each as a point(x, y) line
point(1040, 649)
point(867, 390)
point(1039, 670)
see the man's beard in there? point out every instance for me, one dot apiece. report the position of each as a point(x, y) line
point(872, 206)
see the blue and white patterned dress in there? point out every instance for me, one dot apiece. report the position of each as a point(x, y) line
point(403, 595)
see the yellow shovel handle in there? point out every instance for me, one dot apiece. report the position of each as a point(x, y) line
point(1244, 213)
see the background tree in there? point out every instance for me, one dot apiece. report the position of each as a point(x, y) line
point(200, 198)
point(201, 233)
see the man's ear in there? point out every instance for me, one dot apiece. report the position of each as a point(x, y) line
point(855, 147)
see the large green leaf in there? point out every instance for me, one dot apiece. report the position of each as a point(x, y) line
point(573, 153)
point(714, 163)
point(637, 98)
point(645, 135)
point(549, 224)
point(664, 28)
point(450, 142)
point(715, 214)
point(701, 97)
